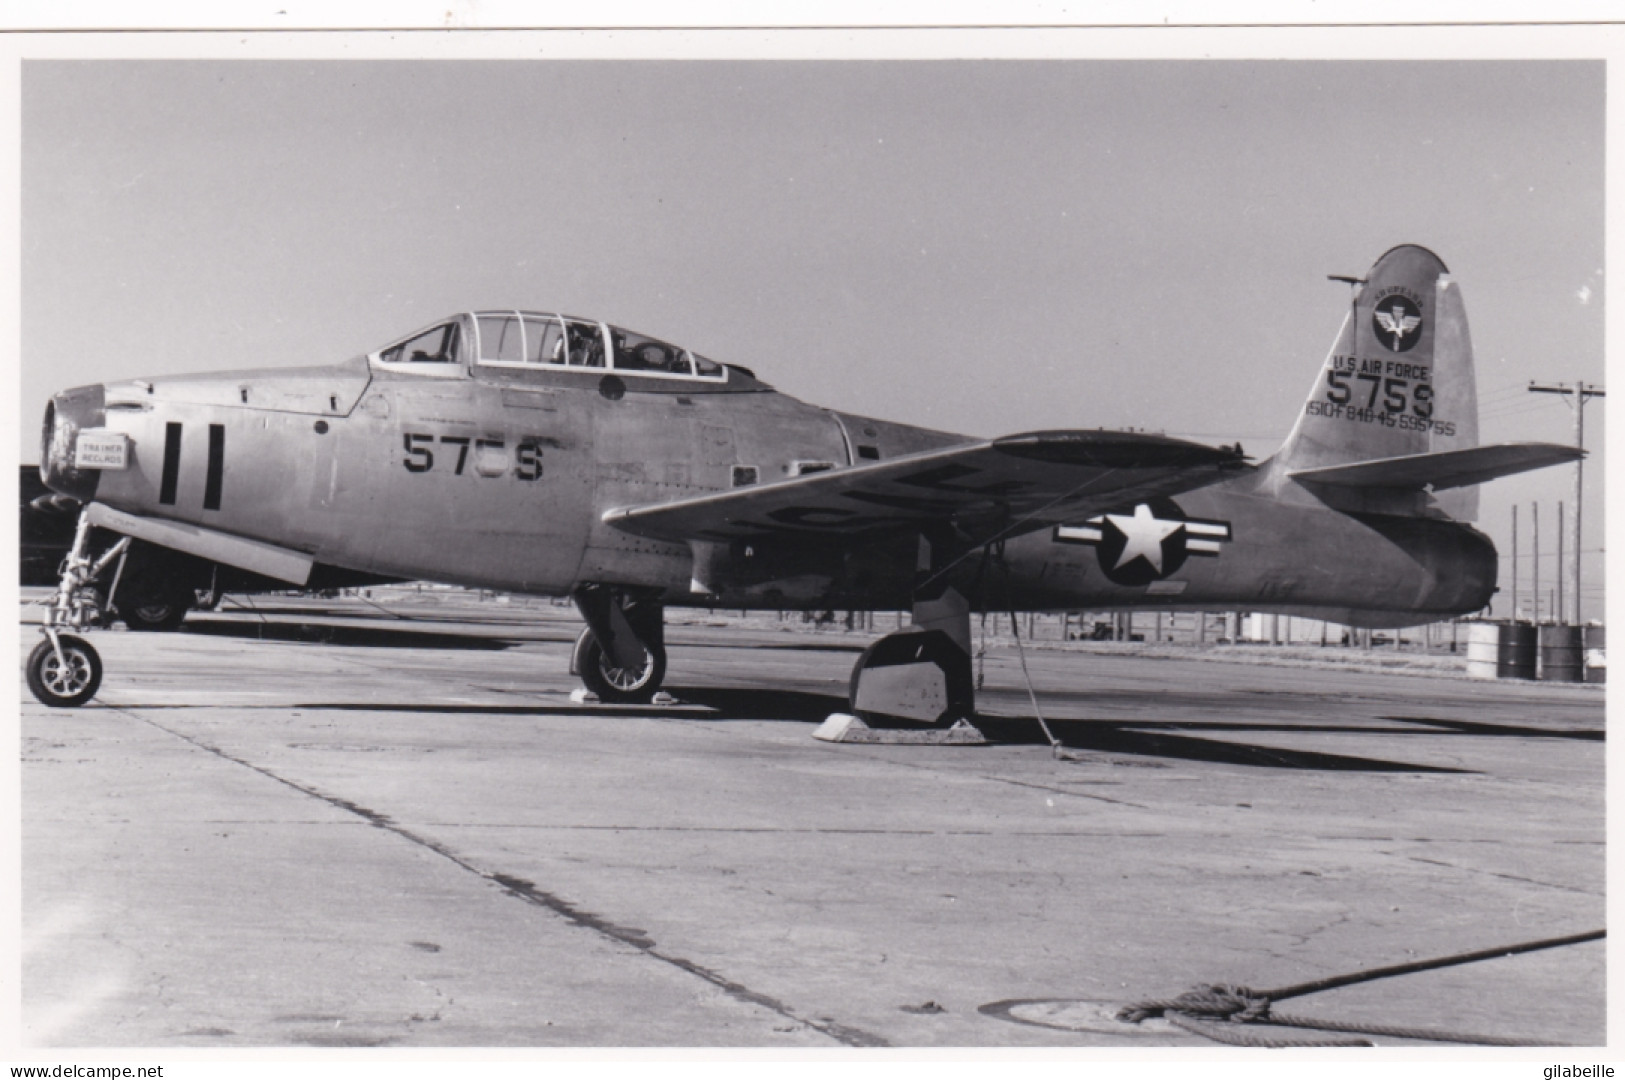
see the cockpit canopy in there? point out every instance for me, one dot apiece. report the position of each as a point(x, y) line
point(528, 339)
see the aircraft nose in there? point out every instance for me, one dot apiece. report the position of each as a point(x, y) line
point(69, 413)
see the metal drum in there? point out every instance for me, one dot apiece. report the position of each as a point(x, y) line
point(1596, 654)
point(1501, 650)
point(1561, 656)
point(1483, 645)
point(1515, 657)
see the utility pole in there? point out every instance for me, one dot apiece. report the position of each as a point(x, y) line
point(1579, 393)
point(1534, 527)
point(1514, 562)
point(1560, 612)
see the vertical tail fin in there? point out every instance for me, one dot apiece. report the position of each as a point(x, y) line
point(1399, 380)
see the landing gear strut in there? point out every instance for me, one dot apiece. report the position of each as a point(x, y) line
point(64, 671)
point(621, 655)
point(921, 673)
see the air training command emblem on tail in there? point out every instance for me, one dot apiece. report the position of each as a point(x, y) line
point(1148, 543)
point(1397, 322)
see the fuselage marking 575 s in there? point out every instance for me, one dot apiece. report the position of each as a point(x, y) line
point(490, 455)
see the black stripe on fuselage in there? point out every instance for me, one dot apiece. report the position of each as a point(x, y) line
point(172, 464)
point(217, 454)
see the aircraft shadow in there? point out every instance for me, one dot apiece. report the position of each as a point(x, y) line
point(797, 646)
point(1469, 727)
point(693, 703)
point(352, 636)
point(1140, 738)
point(1106, 736)
point(657, 712)
point(735, 703)
point(1133, 737)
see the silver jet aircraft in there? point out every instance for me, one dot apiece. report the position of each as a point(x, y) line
point(553, 455)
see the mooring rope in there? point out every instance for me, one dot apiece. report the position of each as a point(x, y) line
point(981, 656)
point(246, 603)
point(1032, 695)
point(1216, 1011)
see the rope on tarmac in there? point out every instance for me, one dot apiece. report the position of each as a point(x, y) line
point(981, 655)
point(1054, 743)
point(1218, 1011)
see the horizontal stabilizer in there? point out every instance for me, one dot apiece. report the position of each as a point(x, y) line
point(1442, 469)
point(1014, 484)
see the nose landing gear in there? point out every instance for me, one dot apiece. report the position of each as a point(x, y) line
point(64, 670)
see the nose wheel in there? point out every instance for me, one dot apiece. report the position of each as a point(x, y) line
point(65, 672)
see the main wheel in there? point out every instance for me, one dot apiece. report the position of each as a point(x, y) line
point(64, 685)
point(153, 614)
point(618, 685)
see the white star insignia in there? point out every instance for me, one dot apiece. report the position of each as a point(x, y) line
point(1143, 535)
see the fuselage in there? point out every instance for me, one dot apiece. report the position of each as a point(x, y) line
point(498, 474)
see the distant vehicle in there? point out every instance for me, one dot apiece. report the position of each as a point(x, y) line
point(546, 454)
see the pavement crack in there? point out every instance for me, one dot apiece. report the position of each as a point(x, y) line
point(732, 830)
point(529, 892)
point(1507, 877)
point(537, 897)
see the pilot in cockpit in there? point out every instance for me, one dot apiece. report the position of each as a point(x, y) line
point(586, 347)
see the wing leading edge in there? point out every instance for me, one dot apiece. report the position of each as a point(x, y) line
point(1006, 486)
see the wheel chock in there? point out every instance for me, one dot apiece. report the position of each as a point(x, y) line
point(846, 728)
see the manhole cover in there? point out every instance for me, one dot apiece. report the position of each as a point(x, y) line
point(1071, 1014)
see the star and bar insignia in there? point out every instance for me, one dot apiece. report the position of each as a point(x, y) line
point(1148, 543)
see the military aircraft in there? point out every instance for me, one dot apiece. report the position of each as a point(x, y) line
point(553, 455)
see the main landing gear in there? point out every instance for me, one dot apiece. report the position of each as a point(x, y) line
point(162, 611)
point(621, 655)
point(64, 670)
point(922, 673)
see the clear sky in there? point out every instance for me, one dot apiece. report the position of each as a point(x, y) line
point(984, 246)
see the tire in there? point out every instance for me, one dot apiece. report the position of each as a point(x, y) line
point(614, 685)
point(64, 687)
point(153, 614)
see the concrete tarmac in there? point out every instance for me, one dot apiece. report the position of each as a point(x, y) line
point(322, 825)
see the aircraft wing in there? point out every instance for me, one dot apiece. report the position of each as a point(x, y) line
point(1005, 486)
